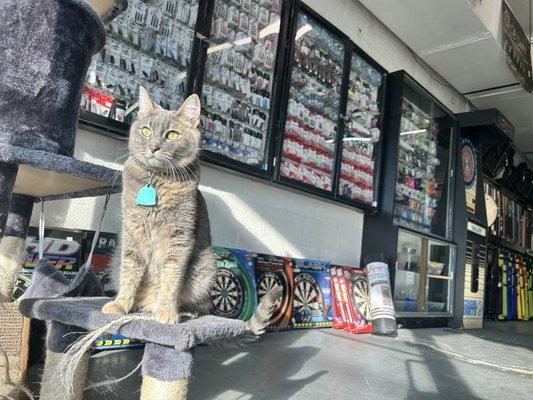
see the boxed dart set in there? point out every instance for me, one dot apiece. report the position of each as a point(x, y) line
point(272, 271)
point(233, 294)
point(312, 294)
point(351, 303)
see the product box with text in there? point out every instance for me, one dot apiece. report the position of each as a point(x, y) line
point(271, 271)
point(233, 294)
point(351, 302)
point(312, 294)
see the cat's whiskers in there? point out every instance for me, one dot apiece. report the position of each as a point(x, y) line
point(182, 171)
point(192, 172)
point(168, 163)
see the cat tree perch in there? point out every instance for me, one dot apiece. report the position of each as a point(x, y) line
point(168, 354)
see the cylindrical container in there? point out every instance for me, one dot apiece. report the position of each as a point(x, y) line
point(381, 303)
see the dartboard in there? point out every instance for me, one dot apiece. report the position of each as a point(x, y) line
point(469, 163)
point(266, 282)
point(360, 296)
point(307, 294)
point(227, 294)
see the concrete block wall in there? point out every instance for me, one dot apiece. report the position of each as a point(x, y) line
point(257, 216)
point(251, 215)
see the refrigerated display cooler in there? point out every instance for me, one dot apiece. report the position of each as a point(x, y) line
point(415, 229)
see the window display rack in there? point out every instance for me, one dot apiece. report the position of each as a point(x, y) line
point(331, 141)
point(149, 45)
point(416, 188)
point(424, 159)
point(286, 97)
point(238, 81)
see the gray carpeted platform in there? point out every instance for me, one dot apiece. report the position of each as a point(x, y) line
point(85, 312)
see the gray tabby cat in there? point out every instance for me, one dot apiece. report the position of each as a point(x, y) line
point(167, 265)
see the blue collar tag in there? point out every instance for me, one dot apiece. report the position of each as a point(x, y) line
point(146, 196)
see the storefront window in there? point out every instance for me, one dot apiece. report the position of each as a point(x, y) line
point(424, 274)
point(149, 45)
point(239, 77)
point(313, 108)
point(421, 197)
point(362, 132)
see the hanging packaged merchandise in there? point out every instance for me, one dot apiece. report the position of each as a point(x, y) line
point(530, 289)
point(503, 288)
point(312, 294)
point(311, 126)
point(381, 304)
point(149, 45)
point(238, 81)
point(522, 312)
point(272, 271)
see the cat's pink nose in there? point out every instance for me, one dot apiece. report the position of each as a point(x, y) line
point(154, 149)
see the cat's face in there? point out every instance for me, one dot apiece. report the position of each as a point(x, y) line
point(162, 140)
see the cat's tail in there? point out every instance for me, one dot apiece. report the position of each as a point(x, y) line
point(255, 326)
point(259, 321)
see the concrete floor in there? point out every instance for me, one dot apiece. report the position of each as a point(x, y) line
point(494, 363)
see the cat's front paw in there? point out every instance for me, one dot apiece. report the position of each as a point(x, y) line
point(114, 307)
point(167, 316)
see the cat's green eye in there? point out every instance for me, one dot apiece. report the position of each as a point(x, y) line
point(146, 132)
point(172, 135)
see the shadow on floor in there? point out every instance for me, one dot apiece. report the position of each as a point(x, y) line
point(267, 373)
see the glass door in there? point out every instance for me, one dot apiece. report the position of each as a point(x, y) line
point(313, 110)
point(424, 275)
point(150, 44)
point(239, 78)
point(362, 132)
point(422, 183)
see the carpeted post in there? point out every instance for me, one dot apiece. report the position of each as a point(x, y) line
point(13, 244)
point(166, 372)
point(8, 174)
point(59, 338)
point(19, 216)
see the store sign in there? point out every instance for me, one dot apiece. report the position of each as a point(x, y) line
point(517, 48)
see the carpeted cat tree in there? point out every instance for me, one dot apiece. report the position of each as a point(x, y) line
point(45, 50)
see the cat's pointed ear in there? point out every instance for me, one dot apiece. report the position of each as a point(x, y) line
point(157, 107)
point(190, 110)
point(145, 103)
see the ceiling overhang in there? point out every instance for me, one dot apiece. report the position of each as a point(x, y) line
point(461, 41)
